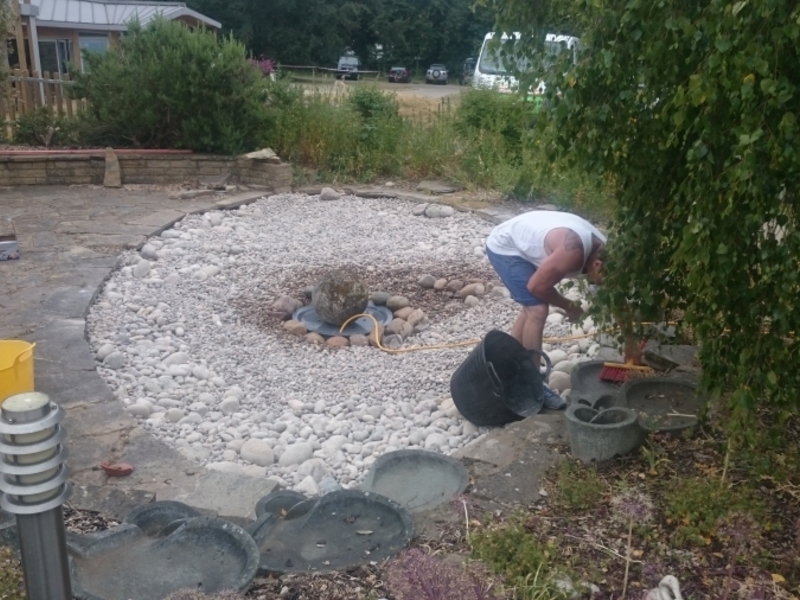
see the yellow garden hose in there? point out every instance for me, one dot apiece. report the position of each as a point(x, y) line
point(377, 340)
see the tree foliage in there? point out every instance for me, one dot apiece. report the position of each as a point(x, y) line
point(317, 32)
point(5, 28)
point(691, 109)
point(168, 86)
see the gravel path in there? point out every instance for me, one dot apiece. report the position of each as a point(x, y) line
point(184, 336)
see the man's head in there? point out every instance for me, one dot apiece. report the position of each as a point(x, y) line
point(594, 264)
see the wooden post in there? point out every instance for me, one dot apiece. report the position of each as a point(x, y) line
point(36, 91)
point(24, 96)
point(58, 104)
point(12, 99)
point(67, 95)
point(21, 50)
point(77, 57)
point(49, 92)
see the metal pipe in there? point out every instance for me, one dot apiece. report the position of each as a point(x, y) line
point(35, 485)
point(43, 547)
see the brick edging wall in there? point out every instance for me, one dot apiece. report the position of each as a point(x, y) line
point(81, 169)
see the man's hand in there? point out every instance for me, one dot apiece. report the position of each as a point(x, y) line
point(574, 312)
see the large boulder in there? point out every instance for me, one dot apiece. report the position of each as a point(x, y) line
point(340, 295)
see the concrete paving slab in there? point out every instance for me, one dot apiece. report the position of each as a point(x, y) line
point(496, 215)
point(68, 386)
point(63, 342)
point(125, 242)
point(70, 303)
point(507, 464)
point(113, 502)
point(101, 227)
point(226, 494)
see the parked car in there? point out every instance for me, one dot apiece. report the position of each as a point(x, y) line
point(348, 67)
point(436, 73)
point(399, 75)
point(467, 71)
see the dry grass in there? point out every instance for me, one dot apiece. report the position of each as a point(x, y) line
point(413, 106)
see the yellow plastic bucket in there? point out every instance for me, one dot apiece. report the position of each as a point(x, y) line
point(16, 368)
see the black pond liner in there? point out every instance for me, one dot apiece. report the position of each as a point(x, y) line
point(205, 554)
point(341, 529)
point(586, 385)
point(308, 316)
point(416, 479)
point(499, 382)
point(155, 517)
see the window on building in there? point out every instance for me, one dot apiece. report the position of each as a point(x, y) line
point(55, 56)
point(92, 43)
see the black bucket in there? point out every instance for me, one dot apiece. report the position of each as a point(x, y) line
point(499, 382)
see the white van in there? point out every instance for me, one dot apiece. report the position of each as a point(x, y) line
point(492, 71)
point(348, 67)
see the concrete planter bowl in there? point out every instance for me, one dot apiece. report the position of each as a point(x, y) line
point(587, 388)
point(663, 404)
point(601, 435)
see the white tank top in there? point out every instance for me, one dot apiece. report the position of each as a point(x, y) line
point(524, 235)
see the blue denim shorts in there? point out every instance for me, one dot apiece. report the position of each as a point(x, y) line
point(515, 272)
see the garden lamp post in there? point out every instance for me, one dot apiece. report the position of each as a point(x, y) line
point(33, 479)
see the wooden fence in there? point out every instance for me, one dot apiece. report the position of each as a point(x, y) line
point(26, 92)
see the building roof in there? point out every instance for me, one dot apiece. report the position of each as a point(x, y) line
point(111, 15)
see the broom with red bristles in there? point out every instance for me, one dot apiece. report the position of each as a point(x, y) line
point(614, 372)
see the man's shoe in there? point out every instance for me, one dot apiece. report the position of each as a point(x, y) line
point(552, 400)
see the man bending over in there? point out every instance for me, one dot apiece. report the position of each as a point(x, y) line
point(531, 254)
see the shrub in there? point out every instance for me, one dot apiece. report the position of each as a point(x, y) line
point(699, 507)
point(417, 575)
point(337, 140)
point(372, 103)
point(510, 549)
point(168, 86)
point(12, 585)
point(485, 111)
point(578, 487)
point(43, 128)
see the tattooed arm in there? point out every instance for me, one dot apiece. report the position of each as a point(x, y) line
point(565, 256)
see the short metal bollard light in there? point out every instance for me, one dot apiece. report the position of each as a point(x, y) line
point(34, 483)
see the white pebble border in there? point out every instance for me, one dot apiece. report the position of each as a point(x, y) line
point(171, 344)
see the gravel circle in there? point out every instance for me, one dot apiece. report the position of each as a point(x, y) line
point(183, 334)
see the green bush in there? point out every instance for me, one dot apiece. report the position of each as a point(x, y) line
point(357, 139)
point(12, 585)
point(168, 86)
point(578, 487)
point(485, 111)
point(372, 103)
point(511, 550)
point(699, 506)
point(43, 128)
